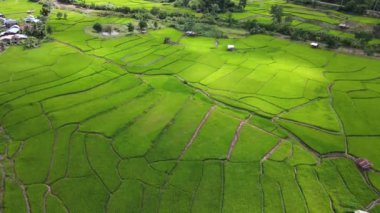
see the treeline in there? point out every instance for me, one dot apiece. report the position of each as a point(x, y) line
point(211, 6)
point(204, 6)
point(350, 6)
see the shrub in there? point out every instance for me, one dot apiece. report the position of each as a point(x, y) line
point(332, 42)
point(376, 31)
point(31, 42)
point(59, 15)
point(162, 15)
point(131, 27)
point(124, 10)
point(167, 40)
point(154, 11)
point(363, 37)
point(97, 27)
point(142, 24)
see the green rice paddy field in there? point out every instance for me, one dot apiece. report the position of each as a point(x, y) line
point(128, 124)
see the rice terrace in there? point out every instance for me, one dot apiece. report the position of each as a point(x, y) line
point(189, 106)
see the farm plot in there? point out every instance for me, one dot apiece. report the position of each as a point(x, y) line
point(130, 124)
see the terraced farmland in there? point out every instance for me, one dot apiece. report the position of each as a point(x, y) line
point(129, 124)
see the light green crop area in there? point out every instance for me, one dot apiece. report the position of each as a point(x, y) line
point(129, 124)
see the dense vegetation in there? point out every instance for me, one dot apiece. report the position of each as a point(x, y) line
point(351, 6)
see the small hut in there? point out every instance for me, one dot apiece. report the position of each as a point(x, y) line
point(231, 47)
point(314, 45)
point(343, 26)
point(190, 33)
point(363, 164)
point(2, 15)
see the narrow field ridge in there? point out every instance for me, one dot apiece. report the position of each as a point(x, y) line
point(270, 153)
point(236, 137)
point(196, 133)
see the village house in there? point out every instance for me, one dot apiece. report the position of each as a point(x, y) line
point(2, 15)
point(13, 39)
point(190, 33)
point(343, 26)
point(11, 31)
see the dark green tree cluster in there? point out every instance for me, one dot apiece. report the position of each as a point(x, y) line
point(97, 27)
point(357, 6)
point(131, 27)
point(38, 30)
point(376, 31)
point(66, 1)
point(277, 13)
point(212, 6)
point(45, 10)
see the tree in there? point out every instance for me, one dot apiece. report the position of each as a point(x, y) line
point(38, 30)
point(162, 15)
point(97, 27)
point(154, 11)
point(288, 20)
point(363, 37)
point(49, 30)
point(45, 10)
point(189, 24)
point(65, 16)
point(167, 40)
point(277, 13)
point(376, 31)
point(230, 19)
point(59, 15)
point(196, 4)
point(214, 9)
point(31, 42)
point(254, 27)
point(356, 6)
point(179, 3)
point(242, 3)
point(142, 25)
point(124, 9)
point(131, 27)
point(332, 42)
point(155, 24)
